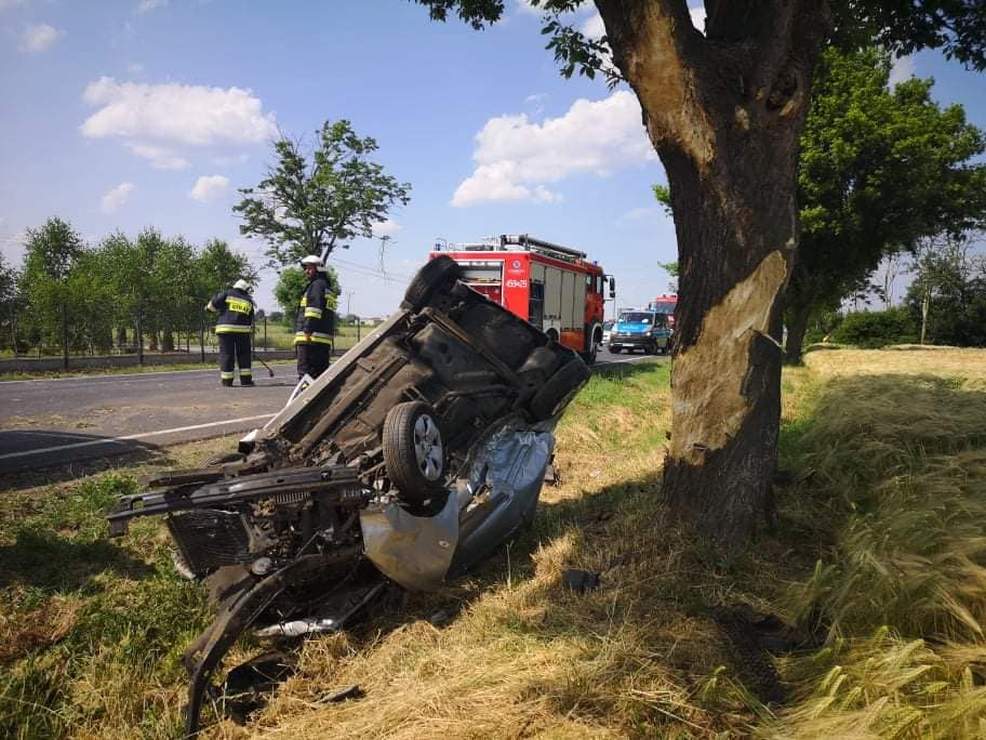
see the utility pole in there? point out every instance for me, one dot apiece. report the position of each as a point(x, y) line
point(349, 312)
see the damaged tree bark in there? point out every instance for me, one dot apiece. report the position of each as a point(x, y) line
point(724, 112)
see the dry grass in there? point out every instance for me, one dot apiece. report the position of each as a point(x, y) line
point(969, 365)
point(895, 446)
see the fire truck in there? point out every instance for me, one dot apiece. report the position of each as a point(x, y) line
point(553, 287)
point(666, 304)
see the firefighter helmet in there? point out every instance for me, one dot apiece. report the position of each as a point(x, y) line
point(313, 259)
point(241, 284)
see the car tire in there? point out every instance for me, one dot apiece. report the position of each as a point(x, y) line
point(615, 350)
point(440, 272)
point(414, 450)
point(559, 389)
point(589, 358)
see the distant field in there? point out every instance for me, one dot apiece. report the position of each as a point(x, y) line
point(879, 554)
point(281, 337)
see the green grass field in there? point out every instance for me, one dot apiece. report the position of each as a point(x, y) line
point(281, 337)
point(879, 552)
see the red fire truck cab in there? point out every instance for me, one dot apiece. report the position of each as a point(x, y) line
point(666, 304)
point(553, 287)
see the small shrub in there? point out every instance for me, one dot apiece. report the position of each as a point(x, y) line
point(873, 329)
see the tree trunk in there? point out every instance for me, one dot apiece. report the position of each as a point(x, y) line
point(797, 325)
point(925, 308)
point(64, 335)
point(168, 341)
point(139, 337)
point(725, 381)
point(724, 113)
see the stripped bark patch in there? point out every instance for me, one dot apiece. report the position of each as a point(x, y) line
point(708, 405)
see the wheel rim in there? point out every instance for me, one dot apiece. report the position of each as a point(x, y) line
point(428, 447)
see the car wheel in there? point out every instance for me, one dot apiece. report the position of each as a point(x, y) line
point(439, 273)
point(614, 350)
point(413, 450)
point(559, 389)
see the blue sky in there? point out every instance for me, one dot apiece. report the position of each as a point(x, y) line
point(120, 114)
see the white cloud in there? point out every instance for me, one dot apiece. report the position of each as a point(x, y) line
point(593, 27)
point(526, 7)
point(160, 158)
point(113, 199)
point(902, 69)
point(175, 114)
point(209, 187)
point(698, 17)
point(640, 214)
point(388, 227)
point(40, 37)
point(516, 159)
point(146, 6)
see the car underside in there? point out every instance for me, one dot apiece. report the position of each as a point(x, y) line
point(412, 458)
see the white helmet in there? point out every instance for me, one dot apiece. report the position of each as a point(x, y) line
point(241, 284)
point(313, 259)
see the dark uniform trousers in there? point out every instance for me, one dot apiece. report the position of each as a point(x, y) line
point(313, 358)
point(234, 347)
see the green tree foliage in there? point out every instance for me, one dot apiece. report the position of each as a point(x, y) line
point(8, 304)
point(880, 169)
point(957, 27)
point(873, 329)
point(947, 297)
point(51, 253)
point(151, 287)
point(219, 267)
point(292, 283)
point(311, 205)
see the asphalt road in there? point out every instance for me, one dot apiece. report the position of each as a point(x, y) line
point(65, 420)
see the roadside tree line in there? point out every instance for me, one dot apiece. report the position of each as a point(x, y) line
point(124, 293)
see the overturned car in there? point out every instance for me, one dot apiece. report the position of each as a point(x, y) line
point(411, 459)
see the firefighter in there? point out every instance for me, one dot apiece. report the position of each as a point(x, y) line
point(235, 308)
point(315, 321)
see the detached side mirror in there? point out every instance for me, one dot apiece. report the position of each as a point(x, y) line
point(612, 287)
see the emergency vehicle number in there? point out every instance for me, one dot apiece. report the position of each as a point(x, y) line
point(516, 283)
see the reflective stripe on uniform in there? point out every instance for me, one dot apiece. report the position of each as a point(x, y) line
point(246, 371)
point(232, 329)
point(313, 313)
point(316, 337)
point(238, 305)
point(225, 375)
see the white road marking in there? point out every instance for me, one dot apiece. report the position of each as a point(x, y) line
point(131, 437)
